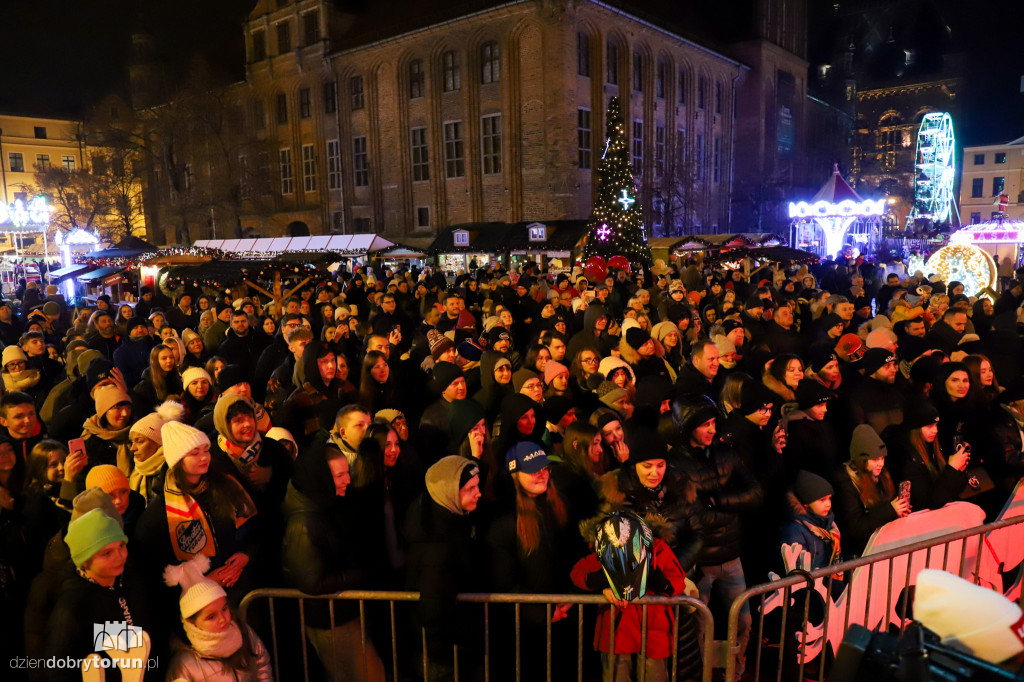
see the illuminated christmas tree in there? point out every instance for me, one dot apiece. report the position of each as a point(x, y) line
point(617, 228)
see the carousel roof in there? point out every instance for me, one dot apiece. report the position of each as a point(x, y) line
point(836, 190)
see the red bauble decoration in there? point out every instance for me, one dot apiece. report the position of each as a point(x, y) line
point(619, 263)
point(595, 269)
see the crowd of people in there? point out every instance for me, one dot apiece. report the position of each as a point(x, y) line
point(408, 430)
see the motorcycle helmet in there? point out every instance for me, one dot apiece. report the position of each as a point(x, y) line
point(624, 545)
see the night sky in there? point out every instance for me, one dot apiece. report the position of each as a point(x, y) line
point(59, 56)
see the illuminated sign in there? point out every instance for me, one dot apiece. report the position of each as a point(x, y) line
point(1006, 232)
point(845, 208)
point(20, 215)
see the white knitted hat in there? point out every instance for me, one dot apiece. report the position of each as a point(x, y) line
point(179, 440)
point(108, 396)
point(193, 373)
point(150, 425)
point(968, 617)
point(197, 590)
point(12, 353)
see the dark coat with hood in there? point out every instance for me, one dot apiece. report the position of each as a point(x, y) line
point(319, 555)
point(132, 358)
point(585, 338)
point(491, 393)
point(313, 405)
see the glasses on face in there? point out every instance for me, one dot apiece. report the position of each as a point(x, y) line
point(588, 361)
point(532, 386)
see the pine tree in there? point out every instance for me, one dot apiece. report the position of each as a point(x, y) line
point(616, 228)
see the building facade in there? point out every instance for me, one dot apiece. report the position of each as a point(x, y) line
point(987, 173)
point(401, 125)
point(28, 143)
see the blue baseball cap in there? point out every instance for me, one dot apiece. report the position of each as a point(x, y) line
point(526, 457)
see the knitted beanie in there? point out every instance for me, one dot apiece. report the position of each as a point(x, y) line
point(557, 406)
point(875, 359)
point(608, 392)
point(188, 335)
point(463, 415)
point(880, 338)
point(850, 348)
point(724, 345)
point(445, 373)
point(90, 533)
point(918, 413)
point(107, 478)
point(521, 377)
point(866, 444)
point(968, 617)
point(192, 374)
point(811, 392)
point(819, 355)
point(109, 396)
point(553, 369)
point(231, 375)
point(811, 487)
point(439, 343)
point(755, 396)
point(644, 445)
point(150, 425)
point(387, 415)
point(94, 498)
point(13, 353)
point(197, 591)
point(637, 337)
point(179, 440)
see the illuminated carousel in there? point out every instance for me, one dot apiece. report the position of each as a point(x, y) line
point(834, 218)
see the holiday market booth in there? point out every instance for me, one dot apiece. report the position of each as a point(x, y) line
point(25, 224)
point(1002, 238)
point(472, 245)
point(114, 270)
point(836, 218)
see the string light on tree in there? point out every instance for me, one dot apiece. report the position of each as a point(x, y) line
point(616, 227)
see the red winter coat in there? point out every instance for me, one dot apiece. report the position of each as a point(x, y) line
point(666, 579)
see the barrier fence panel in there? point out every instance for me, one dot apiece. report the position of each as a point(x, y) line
point(384, 633)
point(800, 620)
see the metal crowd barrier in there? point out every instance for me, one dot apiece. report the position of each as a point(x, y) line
point(682, 606)
point(961, 552)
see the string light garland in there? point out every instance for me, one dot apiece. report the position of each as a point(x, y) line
point(616, 228)
point(964, 263)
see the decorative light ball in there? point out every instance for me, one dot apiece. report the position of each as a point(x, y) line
point(964, 263)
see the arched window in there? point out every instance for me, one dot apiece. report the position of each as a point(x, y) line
point(890, 139)
point(490, 62)
point(415, 78)
point(452, 73)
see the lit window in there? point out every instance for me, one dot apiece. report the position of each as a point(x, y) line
point(333, 164)
point(420, 160)
point(452, 72)
point(287, 178)
point(360, 162)
point(308, 168)
point(538, 233)
point(490, 58)
point(416, 79)
point(461, 238)
point(454, 159)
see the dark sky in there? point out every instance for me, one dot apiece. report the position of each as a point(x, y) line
point(59, 55)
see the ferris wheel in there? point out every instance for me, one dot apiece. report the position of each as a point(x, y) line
point(935, 168)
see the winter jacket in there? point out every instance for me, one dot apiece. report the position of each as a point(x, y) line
point(928, 489)
point(242, 350)
point(585, 338)
point(809, 530)
point(189, 666)
point(132, 358)
point(811, 445)
point(665, 579)
point(876, 403)
point(858, 521)
point(724, 489)
point(1004, 443)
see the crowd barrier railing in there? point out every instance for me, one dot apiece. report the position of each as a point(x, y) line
point(851, 593)
point(398, 609)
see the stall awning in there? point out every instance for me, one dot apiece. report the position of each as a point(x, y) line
point(341, 243)
point(56, 276)
point(101, 274)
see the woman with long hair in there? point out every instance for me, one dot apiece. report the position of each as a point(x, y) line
point(985, 388)
point(782, 375)
point(43, 509)
point(951, 393)
point(918, 458)
point(376, 388)
point(160, 380)
point(124, 313)
point(865, 496)
point(195, 350)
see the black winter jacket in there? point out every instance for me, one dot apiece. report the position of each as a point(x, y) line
point(724, 489)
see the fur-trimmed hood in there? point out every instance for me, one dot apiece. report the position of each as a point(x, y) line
point(779, 388)
point(632, 356)
point(613, 499)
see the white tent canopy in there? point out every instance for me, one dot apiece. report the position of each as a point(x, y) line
point(342, 243)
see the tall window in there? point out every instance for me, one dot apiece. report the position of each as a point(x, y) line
point(420, 159)
point(42, 161)
point(979, 159)
point(659, 80)
point(284, 37)
point(452, 72)
point(17, 162)
point(305, 103)
point(355, 89)
point(454, 156)
point(333, 164)
point(718, 98)
point(611, 75)
point(490, 139)
point(638, 72)
point(490, 58)
point(1000, 157)
point(997, 185)
point(259, 115)
point(659, 150)
point(716, 161)
point(416, 79)
point(330, 97)
point(360, 162)
point(67, 163)
point(582, 55)
point(700, 156)
point(308, 168)
point(311, 28)
point(681, 88)
point(282, 108)
point(638, 147)
point(284, 157)
point(977, 187)
point(263, 172)
point(583, 138)
point(422, 216)
point(702, 91)
point(259, 45)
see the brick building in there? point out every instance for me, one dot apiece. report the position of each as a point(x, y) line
point(402, 122)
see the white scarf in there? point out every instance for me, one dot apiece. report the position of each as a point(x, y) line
point(214, 644)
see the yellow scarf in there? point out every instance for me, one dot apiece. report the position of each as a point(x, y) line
point(189, 526)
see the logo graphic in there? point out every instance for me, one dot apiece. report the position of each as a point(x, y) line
point(116, 635)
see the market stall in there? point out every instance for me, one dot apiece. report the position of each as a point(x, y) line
point(470, 245)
